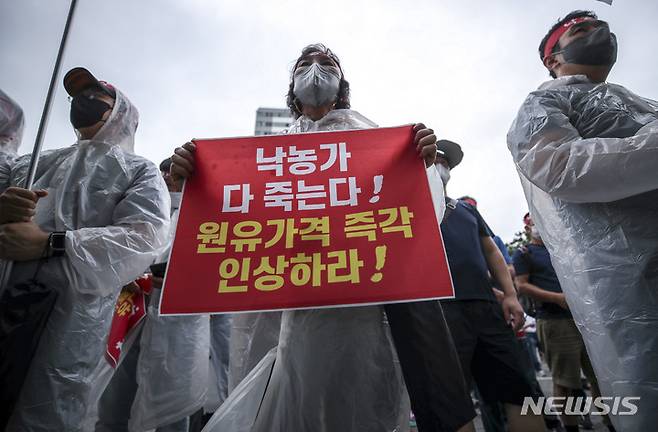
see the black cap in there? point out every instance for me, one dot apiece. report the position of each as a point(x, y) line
point(78, 79)
point(451, 151)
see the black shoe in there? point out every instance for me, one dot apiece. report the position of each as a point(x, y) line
point(586, 422)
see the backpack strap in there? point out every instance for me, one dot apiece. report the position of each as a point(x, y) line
point(451, 205)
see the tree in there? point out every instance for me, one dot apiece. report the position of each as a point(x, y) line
point(520, 239)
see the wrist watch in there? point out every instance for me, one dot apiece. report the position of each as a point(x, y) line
point(57, 243)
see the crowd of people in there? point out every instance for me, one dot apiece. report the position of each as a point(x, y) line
point(99, 216)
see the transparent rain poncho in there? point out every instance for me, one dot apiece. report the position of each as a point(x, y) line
point(172, 370)
point(587, 155)
point(114, 207)
point(11, 131)
point(252, 336)
point(335, 369)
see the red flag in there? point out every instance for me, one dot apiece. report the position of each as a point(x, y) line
point(128, 312)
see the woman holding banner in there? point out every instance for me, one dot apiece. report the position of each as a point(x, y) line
point(335, 369)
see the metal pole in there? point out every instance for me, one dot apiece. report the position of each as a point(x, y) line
point(38, 143)
point(34, 161)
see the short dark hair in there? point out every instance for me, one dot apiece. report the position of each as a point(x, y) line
point(165, 165)
point(526, 218)
point(343, 101)
point(561, 21)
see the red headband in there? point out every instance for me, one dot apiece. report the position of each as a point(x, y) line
point(555, 36)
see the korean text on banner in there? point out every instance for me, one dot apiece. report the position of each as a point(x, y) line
point(306, 221)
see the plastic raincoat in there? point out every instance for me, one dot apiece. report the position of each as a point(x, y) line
point(587, 155)
point(114, 207)
point(173, 365)
point(252, 336)
point(11, 132)
point(335, 369)
point(220, 337)
point(238, 412)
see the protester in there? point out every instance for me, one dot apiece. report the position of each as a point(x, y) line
point(163, 377)
point(500, 244)
point(334, 367)
point(11, 128)
point(483, 332)
point(586, 151)
point(561, 342)
point(220, 325)
point(11, 134)
point(101, 217)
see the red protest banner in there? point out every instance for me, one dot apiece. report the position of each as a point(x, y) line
point(306, 221)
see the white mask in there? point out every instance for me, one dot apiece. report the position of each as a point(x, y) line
point(534, 233)
point(316, 85)
point(444, 172)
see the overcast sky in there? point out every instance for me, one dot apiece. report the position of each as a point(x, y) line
point(200, 68)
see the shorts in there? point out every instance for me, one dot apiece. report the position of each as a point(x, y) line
point(489, 352)
point(564, 351)
point(439, 396)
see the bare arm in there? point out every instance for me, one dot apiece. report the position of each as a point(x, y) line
point(525, 287)
point(512, 310)
point(497, 266)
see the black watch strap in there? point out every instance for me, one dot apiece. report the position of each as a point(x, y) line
point(57, 243)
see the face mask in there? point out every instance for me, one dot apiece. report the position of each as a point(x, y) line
point(534, 233)
point(598, 48)
point(316, 85)
point(87, 112)
point(444, 173)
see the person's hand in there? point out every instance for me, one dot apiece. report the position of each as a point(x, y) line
point(425, 142)
point(561, 301)
point(22, 241)
point(500, 296)
point(18, 204)
point(132, 287)
point(182, 164)
point(513, 312)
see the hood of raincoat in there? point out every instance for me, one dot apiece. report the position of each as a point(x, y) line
point(115, 209)
point(120, 127)
point(338, 119)
point(587, 154)
point(11, 124)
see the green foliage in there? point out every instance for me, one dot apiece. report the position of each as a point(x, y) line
point(520, 239)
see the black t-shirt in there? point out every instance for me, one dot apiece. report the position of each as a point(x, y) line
point(536, 263)
point(461, 233)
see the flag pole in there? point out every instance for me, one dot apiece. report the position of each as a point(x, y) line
point(43, 123)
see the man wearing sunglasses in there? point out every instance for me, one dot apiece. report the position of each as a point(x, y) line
point(97, 217)
point(587, 154)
